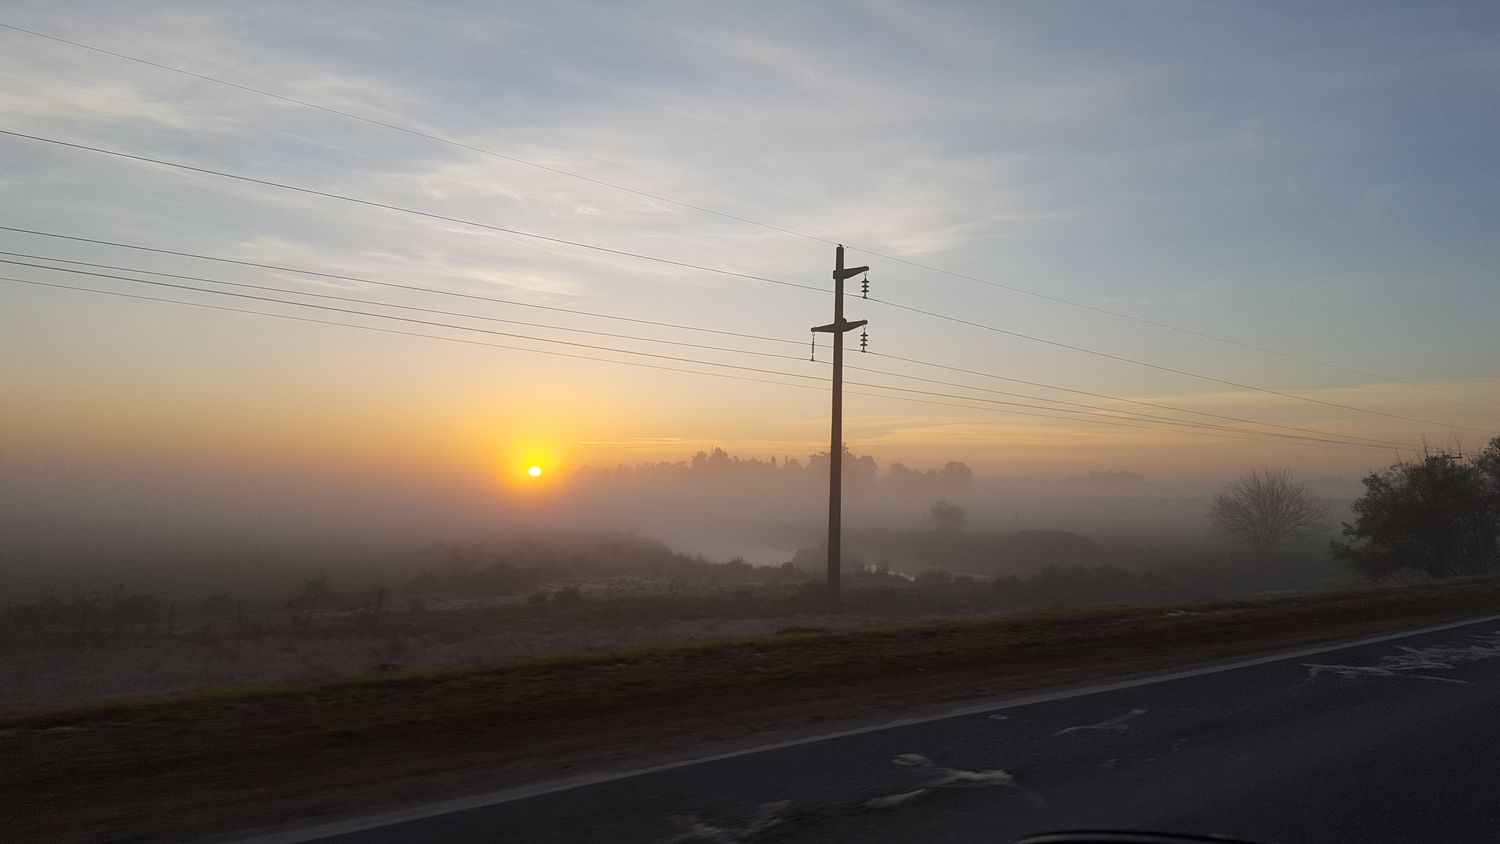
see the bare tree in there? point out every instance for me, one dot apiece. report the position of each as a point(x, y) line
point(1266, 508)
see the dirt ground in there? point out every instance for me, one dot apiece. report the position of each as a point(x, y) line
point(173, 767)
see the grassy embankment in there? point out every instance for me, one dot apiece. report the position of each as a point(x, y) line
point(187, 764)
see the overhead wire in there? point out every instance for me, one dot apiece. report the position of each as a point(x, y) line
point(391, 284)
point(871, 370)
point(722, 214)
point(1174, 423)
point(407, 319)
point(1163, 368)
point(1111, 412)
point(1168, 326)
point(1129, 412)
point(681, 326)
point(417, 132)
point(1089, 393)
point(719, 271)
point(337, 298)
point(1113, 423)
point(177, 165)
point(294, 318)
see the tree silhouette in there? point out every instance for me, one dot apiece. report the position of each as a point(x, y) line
point(1439, 515)
point(948, 518)
point(1266, 508)
point(957, 477)
point(858, 469)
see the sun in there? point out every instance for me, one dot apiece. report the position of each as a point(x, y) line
point(535, 471)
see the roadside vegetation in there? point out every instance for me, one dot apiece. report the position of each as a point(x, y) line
point(531, 596)
point(488, 664)
point(216, 759)
point(471, 604)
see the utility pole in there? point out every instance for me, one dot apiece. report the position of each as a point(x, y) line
point(838, 328)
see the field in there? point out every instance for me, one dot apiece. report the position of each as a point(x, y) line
point(268, 754)
point(49, 669)
point(469, 610)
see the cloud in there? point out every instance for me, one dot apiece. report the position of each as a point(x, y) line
point(1039, 146)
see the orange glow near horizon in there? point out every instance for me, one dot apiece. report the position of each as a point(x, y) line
point(534, 464)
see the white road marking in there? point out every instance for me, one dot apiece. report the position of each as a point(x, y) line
point(1116, 724)
point(946, 778)
point(512, 795)
point(690, 828)
point(951, 776)
point(1411, 660)
point(894, 799)
point(1349, 672)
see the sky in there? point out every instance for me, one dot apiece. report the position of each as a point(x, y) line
point(1285, 210)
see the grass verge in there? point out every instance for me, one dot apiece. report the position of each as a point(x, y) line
point(189, 764)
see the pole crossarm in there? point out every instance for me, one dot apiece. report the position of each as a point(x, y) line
point(841, 327)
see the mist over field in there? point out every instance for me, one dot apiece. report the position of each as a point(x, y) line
point(129, 579)
point(90, 528)
point(417, 405)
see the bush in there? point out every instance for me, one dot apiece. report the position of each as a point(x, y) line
point(1439, 516)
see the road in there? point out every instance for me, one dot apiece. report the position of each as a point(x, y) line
point(1393, 740)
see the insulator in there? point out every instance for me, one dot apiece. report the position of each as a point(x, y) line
point(865, 285)
point(864, 340)
point(812, 354)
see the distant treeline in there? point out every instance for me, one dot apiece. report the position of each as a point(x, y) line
point(954, 478)
point(614, 578)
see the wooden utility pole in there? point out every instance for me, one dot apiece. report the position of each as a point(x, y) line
point(838, 328)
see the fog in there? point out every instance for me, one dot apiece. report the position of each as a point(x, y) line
point(66, 528)
point(125, 578)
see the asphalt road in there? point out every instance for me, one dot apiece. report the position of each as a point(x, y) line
point(1389, 741)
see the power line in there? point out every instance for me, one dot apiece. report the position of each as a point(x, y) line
point(722, 214)
point(1104, 396)
point(925, 393)
point(294, 318)
point(1176, 423)
point(417, 288)
point(347, 299)
point(412, 320)
point(667, 261)
point(335, 298)
point(411, 287)
point(440, 291)
point(1168, 326)
point(554, 353)
point(418, 133)
point(404, 210)
point(1121, 358)
point(354, 300)
point(1134, 413)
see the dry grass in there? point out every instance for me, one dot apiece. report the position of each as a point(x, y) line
point(47, 670)
point(265, 754)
